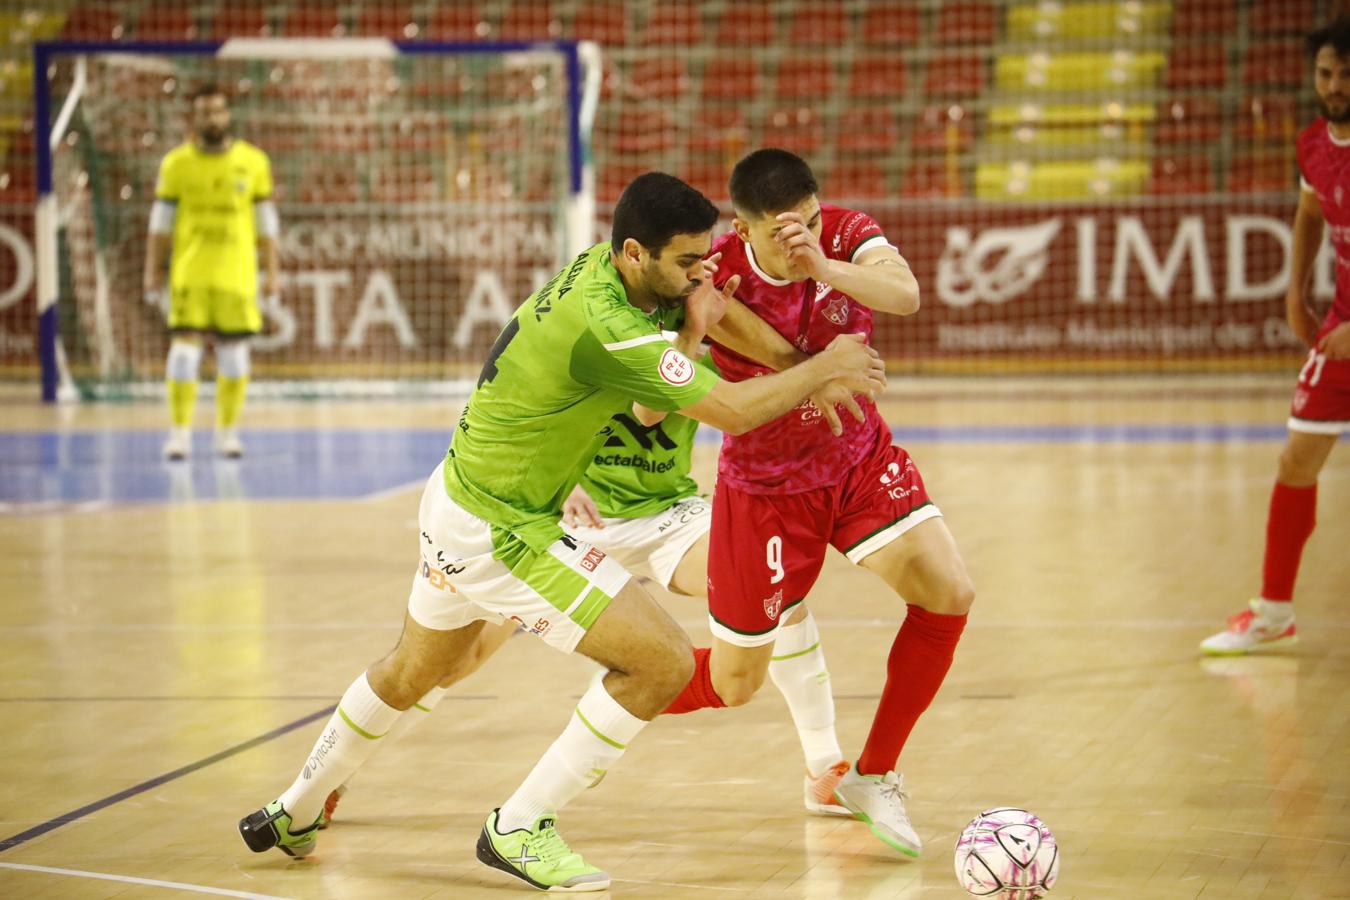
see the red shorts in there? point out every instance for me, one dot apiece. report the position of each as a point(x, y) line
point(767, 549)
point(1322, 398)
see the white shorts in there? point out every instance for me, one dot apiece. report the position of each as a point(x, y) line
point(652, 545)
point(464, 575)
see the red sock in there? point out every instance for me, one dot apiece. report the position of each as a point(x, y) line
point(698, 693)
point(1293, 513)
point(919, 660)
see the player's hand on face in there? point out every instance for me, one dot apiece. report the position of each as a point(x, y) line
point(862, 369)
point(1336, 342)
point(830, 396)
point(580, 510)
point(707, 305)
point(801, 246)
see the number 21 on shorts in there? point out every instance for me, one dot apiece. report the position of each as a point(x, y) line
point(773, 556)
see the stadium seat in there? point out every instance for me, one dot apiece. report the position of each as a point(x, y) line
point(798, 128)
point(90, 22)
point(391, 20)
point(661, 78)
point(1188, 120)
point(163, 22)
point(966, 22)
point(1197, 66)
point(1061, 179)
point(602, 21)
point(731, 77)
point(636, 128)
point(720, 131)
point(313, 19)
point(710, 178)
point(676, 23)
point(1115, 70)
point(1189, 174)
point(879, 77)
point(530, 20)
point(1263, 172)
point(1069, 125)
point(1280, 17)
point(613, 177)
point(805, 78)
point(1217, 18)
point(955, 74)
point(456, 22)
point(1269, 118)
point(18, 184)
point(1041, 21)
point(747, 23)
point(942, 128)
point(1278, 62)
point(867, 130)
point(932, 179)
point(820, 24)
point(862, 180)
point(895, 25)
point(328, 184)
point(242, 19)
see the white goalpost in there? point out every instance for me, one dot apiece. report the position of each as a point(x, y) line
point(424, 190)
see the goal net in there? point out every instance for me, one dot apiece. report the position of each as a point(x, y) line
point(423, 192)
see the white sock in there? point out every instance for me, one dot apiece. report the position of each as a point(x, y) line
point(798, 670)
point(1277, 612)
point(593, 740)
point(407, 722)
point(353, 733)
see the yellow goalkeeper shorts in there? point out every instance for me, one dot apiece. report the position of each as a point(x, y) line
point(212, 309)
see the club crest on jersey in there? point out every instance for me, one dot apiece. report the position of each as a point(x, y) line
point(774, 605)
point(836, 311)
point(675, 368)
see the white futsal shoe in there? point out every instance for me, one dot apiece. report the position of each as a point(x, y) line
point(1263, 626)
point(879, 800)
point(179, 445)
point(228, 444)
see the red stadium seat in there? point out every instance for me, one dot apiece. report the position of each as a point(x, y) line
point(456, 22)
point(966, 23)
point(660, 78)
point(1278, 62)
point(867, 130)
point(328, 184)
point(313, 19)
point(880, 77)
point(1263, 172)
point(602, 21)
point(1269, 118)
point(932, 179)
point(635, 128)
point(1280, 17)
point(891, 24)
point(242, 19)
point(958, 74)
point(1197, 66)
point(710, 178)
point(1188, 120)
point(820, 24)
point(162, 22)
point(530, 20)
point(864, 180)
point(613, 178)
point(747, 23)
point(394, 21)
point(1189, 174)
point(943, 128)
point(677, 23)
point(734, 77)
point(1217, 18)
point(721, 131)
point(18, 183)
point(805, 78)
point(87, 22)
point(799, 129)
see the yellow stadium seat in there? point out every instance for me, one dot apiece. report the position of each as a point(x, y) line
point(1072, 180)
point(1069, 124)
point(1118, 69)
point(1038, 21)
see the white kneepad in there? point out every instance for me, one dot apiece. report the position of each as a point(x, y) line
point(232, 358)
point(185, 358)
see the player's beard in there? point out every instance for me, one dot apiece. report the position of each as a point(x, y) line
point(1339, 117)
point(212, 136)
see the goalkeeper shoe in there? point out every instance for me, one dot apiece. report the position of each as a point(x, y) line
point(539, 857)
point(271, 827)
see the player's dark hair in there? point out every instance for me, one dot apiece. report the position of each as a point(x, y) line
point(655, 207)
point(209, 89)
point(1334, 34)
point(771, 181)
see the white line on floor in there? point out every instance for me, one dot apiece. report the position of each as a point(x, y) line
point(128, 879)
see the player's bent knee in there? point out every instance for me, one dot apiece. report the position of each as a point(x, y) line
point(738, 690)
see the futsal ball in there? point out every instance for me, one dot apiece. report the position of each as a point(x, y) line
point(1007, 853)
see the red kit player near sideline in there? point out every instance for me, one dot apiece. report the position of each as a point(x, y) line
point(1321, 407)
point(787, 490)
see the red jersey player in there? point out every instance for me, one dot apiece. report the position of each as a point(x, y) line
point(787, 490)
point(1321, 407)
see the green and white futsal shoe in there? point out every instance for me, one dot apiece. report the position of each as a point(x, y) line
point(271, 827)
point(539, 857)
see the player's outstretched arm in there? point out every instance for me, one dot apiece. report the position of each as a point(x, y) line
point(1308, 227)
point(879, 279)
point(736, 407)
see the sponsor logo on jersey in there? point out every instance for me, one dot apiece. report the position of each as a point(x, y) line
point(591, 561)
point(675, 368)
point(821, 290)
point(774, 605)
point(436, 578)
point(539, 628)
point(836, 311)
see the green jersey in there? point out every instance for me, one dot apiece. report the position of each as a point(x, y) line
point(573, 354)
point(639, 470)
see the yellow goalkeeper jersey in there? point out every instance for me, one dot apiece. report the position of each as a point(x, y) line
point(215, 235)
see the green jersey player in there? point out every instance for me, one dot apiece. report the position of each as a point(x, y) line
point(576, 352)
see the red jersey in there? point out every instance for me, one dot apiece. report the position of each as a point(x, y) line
point(1325, 165)
point(797, 452)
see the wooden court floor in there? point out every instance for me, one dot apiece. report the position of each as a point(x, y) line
point(163, 664)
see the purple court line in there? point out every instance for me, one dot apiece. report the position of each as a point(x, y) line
point(52, 824)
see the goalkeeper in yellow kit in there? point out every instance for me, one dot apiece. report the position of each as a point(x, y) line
point(213, 208)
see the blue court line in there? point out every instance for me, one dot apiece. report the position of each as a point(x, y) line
point(65, 818)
